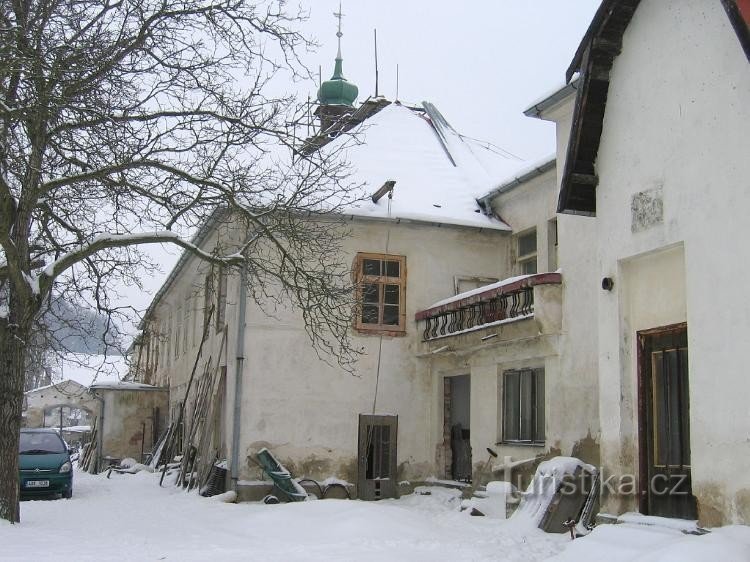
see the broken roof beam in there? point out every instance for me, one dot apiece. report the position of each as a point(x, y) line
point(387, 187)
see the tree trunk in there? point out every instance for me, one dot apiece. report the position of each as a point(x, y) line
point(12, 346)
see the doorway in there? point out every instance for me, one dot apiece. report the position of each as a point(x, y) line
point(664, 423)
point(457, 427)
point(376, 470)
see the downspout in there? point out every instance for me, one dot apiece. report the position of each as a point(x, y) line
point(238, 378)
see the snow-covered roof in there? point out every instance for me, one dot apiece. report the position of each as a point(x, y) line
point(89, 369)
point(122, 385)
point(439, 174)
point(63, 385)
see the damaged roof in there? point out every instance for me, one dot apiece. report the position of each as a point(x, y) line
point(438, 173)
point(593, 61)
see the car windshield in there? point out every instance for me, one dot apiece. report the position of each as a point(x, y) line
point(40, 443)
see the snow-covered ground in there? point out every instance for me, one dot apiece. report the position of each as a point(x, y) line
point(128, 517)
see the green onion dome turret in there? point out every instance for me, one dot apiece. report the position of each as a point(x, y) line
point(338, 90)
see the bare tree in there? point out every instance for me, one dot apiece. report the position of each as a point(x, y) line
point(129, 122)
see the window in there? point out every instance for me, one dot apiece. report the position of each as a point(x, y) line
point(381, 285)
point(462, 284)
point(523, 406)
point(526, 252)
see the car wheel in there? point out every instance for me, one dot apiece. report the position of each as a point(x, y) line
point(67, 494)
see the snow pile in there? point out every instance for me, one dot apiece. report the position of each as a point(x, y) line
point(331, 480)
point(491, 503)
point(173, 525)
point(638, 543)
point(128, 462)
point(226, 497)
point(547, 479)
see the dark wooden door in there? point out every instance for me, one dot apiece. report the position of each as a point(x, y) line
point(376, 473)
point(666, 487)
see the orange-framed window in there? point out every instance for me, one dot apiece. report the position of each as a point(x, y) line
point(381, 292)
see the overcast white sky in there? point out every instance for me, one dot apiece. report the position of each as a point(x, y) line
point(481, 62)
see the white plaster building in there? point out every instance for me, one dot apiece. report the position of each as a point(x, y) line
point(658, 160)
point(522, 326)
point(407, 250)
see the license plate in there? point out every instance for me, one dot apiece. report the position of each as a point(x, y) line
point(37, 483)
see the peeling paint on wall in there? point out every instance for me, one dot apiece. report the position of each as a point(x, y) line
point(647, 209)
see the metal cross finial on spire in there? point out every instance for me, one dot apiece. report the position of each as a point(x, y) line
point(339, 34)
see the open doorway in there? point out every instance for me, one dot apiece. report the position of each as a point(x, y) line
point(457, 427)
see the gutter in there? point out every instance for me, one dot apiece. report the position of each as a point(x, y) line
point(540, 107)
point(484, 200)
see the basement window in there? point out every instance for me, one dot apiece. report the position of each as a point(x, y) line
point(523, 406)
point(381, 293)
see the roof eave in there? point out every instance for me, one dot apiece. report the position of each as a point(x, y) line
point(593, 60)
point(538, 109)
point(518, 181)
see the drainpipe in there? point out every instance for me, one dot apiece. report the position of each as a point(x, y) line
point(238, 378)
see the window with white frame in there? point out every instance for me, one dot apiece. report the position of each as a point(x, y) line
point(526, 252)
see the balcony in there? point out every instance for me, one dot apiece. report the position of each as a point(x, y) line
point(507, 301)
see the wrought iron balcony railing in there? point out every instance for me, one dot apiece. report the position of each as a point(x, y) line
point(503, 301)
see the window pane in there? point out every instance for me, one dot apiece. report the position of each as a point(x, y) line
point(539, 398)
point(527, 244)
point(527, 381)
point(393, 269)
point(370, 314)
point(391, 294)
point(528, 267)
point(510, 406)
point(384, 462)
point(370, 293)
point(371, 267)
point(390, 314)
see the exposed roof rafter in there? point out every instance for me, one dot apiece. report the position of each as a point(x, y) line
point(593, 61)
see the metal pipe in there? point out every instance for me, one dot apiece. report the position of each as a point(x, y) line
point(234, 466)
